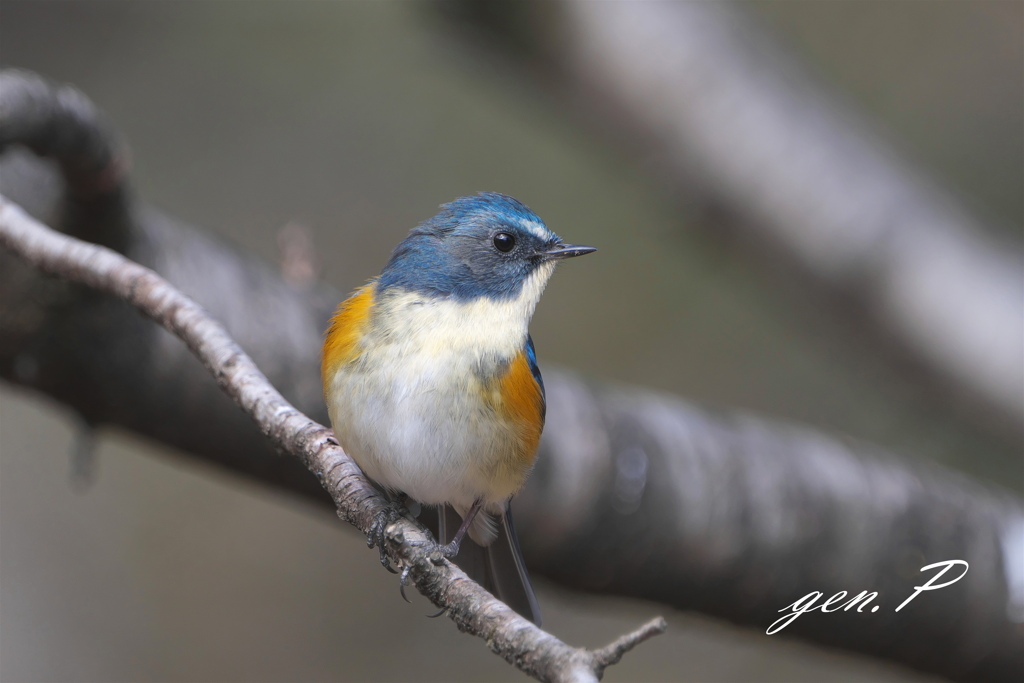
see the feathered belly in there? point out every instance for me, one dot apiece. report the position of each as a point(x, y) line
point(429, 425)
point(435, 397)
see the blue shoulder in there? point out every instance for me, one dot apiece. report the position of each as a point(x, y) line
point(531, 357)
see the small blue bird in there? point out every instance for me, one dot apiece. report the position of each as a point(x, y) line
point(431, 378)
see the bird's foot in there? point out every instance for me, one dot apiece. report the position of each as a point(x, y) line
point(449, 550)
point(378, 530)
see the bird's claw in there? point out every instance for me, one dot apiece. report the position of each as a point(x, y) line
point(403, 581)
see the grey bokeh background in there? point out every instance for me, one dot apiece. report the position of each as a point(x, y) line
point(356, 119)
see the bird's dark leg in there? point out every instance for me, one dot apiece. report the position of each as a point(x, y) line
point(451, 549)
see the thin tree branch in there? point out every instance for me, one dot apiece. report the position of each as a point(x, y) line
point(612, 653)
point(521, 643)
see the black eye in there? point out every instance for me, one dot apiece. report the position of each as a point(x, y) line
point(504, 242)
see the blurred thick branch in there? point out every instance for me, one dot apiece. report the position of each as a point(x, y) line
point(729, 121)
point(635, 493)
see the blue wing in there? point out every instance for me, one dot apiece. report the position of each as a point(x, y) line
point(531, 357)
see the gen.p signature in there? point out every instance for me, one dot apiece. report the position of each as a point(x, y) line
point(809, 602)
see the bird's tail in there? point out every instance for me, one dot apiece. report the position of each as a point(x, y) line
point(498, 567)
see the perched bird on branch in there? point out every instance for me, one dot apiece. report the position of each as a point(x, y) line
point(431, 378)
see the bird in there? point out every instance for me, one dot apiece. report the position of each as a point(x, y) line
point(431, 379)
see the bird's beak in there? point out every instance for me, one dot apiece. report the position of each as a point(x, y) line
point(561, 251)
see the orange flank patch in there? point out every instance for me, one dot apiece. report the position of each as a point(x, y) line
point(521, 402)
point(346, 329)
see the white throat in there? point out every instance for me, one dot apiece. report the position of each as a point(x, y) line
point(477, 327)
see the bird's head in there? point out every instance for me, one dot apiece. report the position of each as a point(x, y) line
point(487, 245)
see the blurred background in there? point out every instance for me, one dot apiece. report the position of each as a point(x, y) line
point(355, 120)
